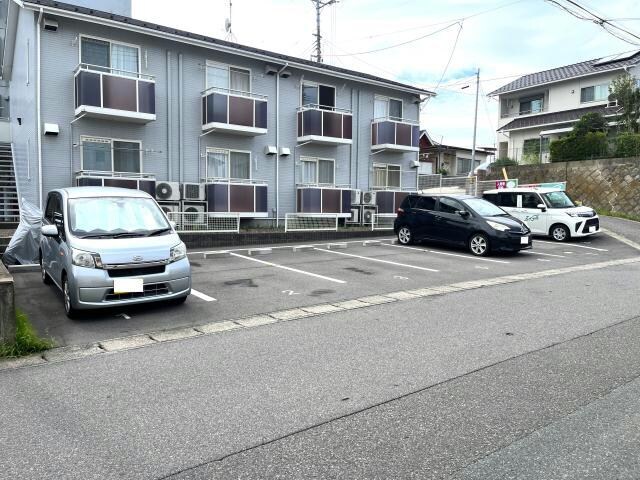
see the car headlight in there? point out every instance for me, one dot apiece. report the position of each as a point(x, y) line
point(498, 226)
point(572, 214)
point(178, 252)
point(80, 258)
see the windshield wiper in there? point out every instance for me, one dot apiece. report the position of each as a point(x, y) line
point(96, 235)
point(158, 231)
point(127, 234)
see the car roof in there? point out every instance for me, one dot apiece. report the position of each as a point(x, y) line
point(458, 196)
point(92, 192)
point(524, 190)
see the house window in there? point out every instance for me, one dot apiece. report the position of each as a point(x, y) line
point(111, 57)
point(463, 165)
point(596, 93)
point(225, 78)
point(315, 95)
point(385, 107)
point(386, 176)
point(531, 105)
point(318, 171)
point(110, 155)
point(228, 164)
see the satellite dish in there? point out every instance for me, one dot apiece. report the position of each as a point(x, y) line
point(227, 25)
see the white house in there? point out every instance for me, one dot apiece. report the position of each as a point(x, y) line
point(455, 160)
point(543, 106)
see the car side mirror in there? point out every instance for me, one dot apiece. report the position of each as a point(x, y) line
point(49, 230)
point(463, 213)
point(542, 207)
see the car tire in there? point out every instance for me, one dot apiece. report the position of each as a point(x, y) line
point(405, 237)
point(479, 245)
point(559, 232)
point(66, 297)
point(179, 301)
point(46, 279)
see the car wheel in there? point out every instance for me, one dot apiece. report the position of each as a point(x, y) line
point(179, 301)
point(45, 276)
point(560, 233)
point(66, 294)
point(479, 244)
point(404, 236)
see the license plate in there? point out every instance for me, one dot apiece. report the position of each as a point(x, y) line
point(524, 240)
point(592, 228)
point(128, 285)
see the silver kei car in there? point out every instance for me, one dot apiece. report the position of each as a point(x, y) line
point(107, 247)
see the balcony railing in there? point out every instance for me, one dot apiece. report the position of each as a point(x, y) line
point(525, 112)
point(328, 125)
point(402, 135)
point(246, 197)
point(114, 94)
point(137, 181)
point(234, 111)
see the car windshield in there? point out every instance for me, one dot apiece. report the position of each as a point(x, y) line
point(115, 217)
point(557, 200)
point(484, 208)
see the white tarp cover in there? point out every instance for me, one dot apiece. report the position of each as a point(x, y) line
point(24, 246)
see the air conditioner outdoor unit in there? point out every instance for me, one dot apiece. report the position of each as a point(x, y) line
point(356, 197)
point(367, 215)
point(192, 191)
point(355, 215)
point(194, 213)
point(415, 163)
point(168, 191)
point(170, 207)
point(369, 198)
point(612, 103)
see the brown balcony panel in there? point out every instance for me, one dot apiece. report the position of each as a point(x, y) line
point(299, 124)
point(120, 182)
point(384, 200)
point(218, 197)
point(400, 196)
point(403, 134)
point(374, 134)
point(146, 97)
point(311, 122)
point(310, 200)
point(215, 108)
point(330, 201)
point(346, 201)
point(386, 133)
point(241, 197)
point(88, 89)
point(415, 136)
point(119, 93)
point(347, 126)
point(260, 114)
point(241, 111)
point(332, 124)
point(261, 198)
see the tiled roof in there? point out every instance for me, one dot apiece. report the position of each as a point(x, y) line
point(215, 41)
point(566, 116)
point(566, 72)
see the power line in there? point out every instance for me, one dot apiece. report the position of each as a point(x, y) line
point(453, 49)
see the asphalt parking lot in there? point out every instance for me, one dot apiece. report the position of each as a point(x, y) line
point(243, 282)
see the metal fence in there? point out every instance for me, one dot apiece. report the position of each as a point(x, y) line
point(382, 221)
point(437, 183)
point(204, 222)
point(310, 222)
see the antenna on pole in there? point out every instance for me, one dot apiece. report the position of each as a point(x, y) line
point(319, 4)
point(230, 37)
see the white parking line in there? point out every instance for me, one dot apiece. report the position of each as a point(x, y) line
point(271, 264)
point(202, 296)
point(573, 245)
point(468, 257)
point(378, 260)
point(545, 254)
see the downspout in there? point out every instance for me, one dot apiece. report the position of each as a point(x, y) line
point(181, 120)
point(169, 117)
point(39, 129)
point(71, 147)
point(358, 139)
point(278, 144)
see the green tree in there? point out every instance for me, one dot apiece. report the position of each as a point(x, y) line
point(625, 90)
point(589, 122)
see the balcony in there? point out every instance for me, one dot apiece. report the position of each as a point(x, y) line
point(108, 93)
point(328, 125)
point(398, 135)
point(137, 181)
point(248, 198)
point(324, 199)
point(520, 113)
point(233, 111)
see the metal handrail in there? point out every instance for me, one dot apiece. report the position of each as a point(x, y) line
point(395, 120)
point(99, 173)
point(234, 181)
point(112, 71)
point(324, 108)
point(234, 93)
point(323, 185)
point(525, 112)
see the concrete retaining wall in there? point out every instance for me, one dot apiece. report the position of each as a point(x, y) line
point(7, 308)
point(611, 184)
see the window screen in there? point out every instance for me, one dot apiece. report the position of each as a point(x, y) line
point(309, 94)
point(240, 164)
point(240, 79)
point(327, 97)
point(395, 109)
point(96, 155)
point(126, 157)
point(309, 171)
point(217, 76)
point(393, 176)
point(124, 60)
point(380, 108)
point(96, 53)
point(217, 163)
point(325, 172)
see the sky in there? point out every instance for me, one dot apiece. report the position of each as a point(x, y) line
point(444, 43)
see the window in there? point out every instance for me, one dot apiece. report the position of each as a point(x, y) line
point(109, 155)
point(386, 176)
point(225, 78)
point(318, 171)
point(531, 105)
point(530, 200)
point(323, 96)
point(426, 203)
point(384, 107)
point(112, 57)
point(448, 205)
point(53, 207)
point(463, 165)
point(228, 164)
point(531, 150)
point(508, 199)
point(596, 93)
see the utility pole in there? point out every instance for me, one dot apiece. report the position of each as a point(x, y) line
point(475, 123)
point(319, 4)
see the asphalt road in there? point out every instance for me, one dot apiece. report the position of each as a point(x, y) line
point(534, 379)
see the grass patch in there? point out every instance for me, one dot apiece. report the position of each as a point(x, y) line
point(27, 340)
point(626, 216)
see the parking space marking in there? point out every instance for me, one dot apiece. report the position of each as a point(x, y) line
point(545, 254)
point(622, 239)
point(573, 245)
point(202, 296)
point(446, 253)
point(275, 265)
point(416, 267)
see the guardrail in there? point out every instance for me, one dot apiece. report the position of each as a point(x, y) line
point(205, 222)
point(382, 221)
point(310, 222)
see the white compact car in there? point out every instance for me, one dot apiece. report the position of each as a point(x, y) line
point(546, 211)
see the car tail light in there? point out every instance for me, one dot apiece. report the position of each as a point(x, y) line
point(400, 212)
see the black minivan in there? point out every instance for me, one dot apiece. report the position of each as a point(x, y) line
point(461, 220)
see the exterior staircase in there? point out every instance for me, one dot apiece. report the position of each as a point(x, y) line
point(9, 204)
